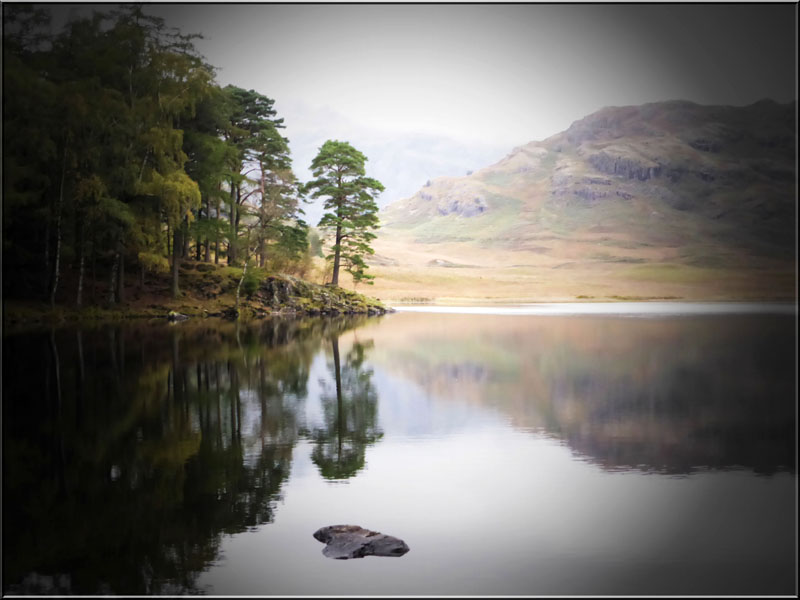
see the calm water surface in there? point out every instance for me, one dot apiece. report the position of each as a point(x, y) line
point(536, 451)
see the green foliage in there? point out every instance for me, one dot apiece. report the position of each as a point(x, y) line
point(262, 193)
point(208, 228)
point(340, 178)
point(155, 263)
point(108, 93)
point(252, 280)
point(115, 133)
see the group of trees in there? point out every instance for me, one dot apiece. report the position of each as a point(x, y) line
point(121, 151)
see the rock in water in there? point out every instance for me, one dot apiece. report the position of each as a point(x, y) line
point(352, 541)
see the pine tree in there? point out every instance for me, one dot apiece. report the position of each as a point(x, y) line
point(350, 204)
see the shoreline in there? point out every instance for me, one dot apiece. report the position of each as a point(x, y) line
point(21, 314)
point(282, 296)
point(637, 308)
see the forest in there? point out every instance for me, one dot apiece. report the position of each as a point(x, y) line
point(124, 159)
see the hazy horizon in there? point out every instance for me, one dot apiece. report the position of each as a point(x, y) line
point(432, 90)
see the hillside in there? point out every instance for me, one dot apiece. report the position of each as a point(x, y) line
point(669, 199)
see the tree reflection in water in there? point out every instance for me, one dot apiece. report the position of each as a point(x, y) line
point(351, 416)
point(129, 452)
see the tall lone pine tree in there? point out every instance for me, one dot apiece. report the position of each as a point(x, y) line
point(350, 205)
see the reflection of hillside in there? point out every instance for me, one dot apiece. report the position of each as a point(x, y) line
point(663, 394)
point(128, 452)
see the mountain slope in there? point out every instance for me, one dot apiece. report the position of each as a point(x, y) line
point(669, 198)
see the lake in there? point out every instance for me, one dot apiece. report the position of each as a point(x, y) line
point(529, 450)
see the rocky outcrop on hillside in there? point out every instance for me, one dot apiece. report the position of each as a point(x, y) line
point(447, 197)
point(625, 167)
point(454, 197)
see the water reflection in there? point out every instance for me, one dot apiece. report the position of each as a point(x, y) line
point(351, 412)
point(669, 395)
point(128, 452)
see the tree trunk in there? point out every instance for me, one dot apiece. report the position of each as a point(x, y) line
point(176, 259)
point(57, 257)
point(79, 295)
point(216, 231)
point(81, 369)
point(121, 277)
point(185, 240)
point(81, 261)
point(262, 218)
point(337, 255)
point(197, 243)
point(112, 287)
point(94, 267)
point(234, 224)
point(238, 217)
point(79, 382)
point(121, 338)
point(239, 287)
point(208, 216)
point(47, 271)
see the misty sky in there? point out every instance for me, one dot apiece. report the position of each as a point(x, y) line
point(429, 90)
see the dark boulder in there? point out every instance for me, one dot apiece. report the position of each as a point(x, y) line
point(352, 541)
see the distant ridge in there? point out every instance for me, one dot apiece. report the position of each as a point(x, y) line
point(673, 183)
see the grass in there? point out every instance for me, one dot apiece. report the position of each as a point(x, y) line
point(503, 212)
point(598, 281)
point(674, 273)
point(499, 179)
